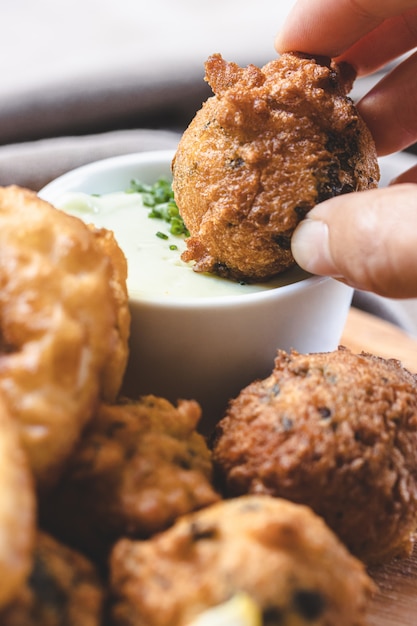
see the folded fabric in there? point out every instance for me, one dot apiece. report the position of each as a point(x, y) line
point(34, 164)
point(103, 103)
point(83, 66)
point(402, 313)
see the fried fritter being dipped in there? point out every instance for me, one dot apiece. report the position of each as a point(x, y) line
point(138, 466)
point(277, 553)
point(269, 145)
point(63, 589)
point(336, 431)
point(64, 324)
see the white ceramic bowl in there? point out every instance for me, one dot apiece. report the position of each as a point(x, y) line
point(209, 349)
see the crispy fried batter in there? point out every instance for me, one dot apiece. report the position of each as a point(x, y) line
point(138, 466)
point(336, 431)
point(279, 553)
point(63, 324)
point(269, 145)
point(114, 368)
point(17, 510)
point(62, 589)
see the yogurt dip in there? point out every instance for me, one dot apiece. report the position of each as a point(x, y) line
point(155, 268)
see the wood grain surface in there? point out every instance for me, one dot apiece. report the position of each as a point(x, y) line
point(364, 331)
point(395, 603)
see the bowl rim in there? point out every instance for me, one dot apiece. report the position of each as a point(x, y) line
point(81, 174)
point(60, 183)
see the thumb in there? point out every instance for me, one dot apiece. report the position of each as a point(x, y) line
point(366, 239)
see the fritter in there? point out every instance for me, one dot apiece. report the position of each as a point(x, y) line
point(138, 466)
point(336, 431)
point(278, 553)
point(17, 510)
point(264, 150)
point(64, 324)
point(114, 368)
point(62, 589)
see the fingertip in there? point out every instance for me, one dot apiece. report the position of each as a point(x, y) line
point(366, 239)
point(286, 39)
point(279, 42)
point(311, 250)
point(295, 32)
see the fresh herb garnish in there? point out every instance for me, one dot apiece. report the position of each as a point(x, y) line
point(159, 197)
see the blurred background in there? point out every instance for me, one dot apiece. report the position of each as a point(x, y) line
point(76, 66)
point(87, 79)
point(94, 69)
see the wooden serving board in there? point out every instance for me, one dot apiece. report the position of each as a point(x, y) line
point(364, 331)
point(395, 603)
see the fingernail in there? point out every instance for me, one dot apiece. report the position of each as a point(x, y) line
point(311, 249)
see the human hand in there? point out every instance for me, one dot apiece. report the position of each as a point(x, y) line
point(366, 239)
point(367, 34)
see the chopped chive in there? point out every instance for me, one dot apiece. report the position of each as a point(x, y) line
point(159, 198)
point(161, 235)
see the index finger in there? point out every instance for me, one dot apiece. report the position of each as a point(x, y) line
point(329, 27)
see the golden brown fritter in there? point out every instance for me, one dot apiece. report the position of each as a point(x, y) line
point(269, 145)
point(336, 431)
point(114, 368)
point(17, 509)
point(280, 554)
point(64, 324)
point(62, 589)
point(138, 466)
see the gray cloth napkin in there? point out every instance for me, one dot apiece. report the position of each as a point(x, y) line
point(34, 164)
point(77, 67)
point(91, 106)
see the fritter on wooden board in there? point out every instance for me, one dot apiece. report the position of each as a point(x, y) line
point(64, 324)
point(63, 589)
point(17, 510)
point(280, 554)
point(336, 431)
point(138, 466)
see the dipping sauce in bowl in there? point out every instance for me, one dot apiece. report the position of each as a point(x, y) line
point(195, 336)
point(153, 252)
